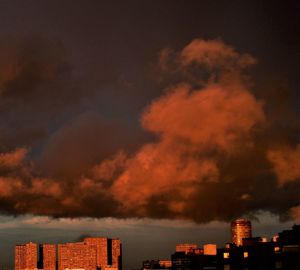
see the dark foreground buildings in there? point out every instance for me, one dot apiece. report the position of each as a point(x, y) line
point(256, 253)
point(252, 253)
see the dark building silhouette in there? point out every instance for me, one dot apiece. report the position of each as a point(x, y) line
point(182, 261)
point(195, 259)
point(251, 253)
point(256, 253)
point(289, 248)
point(157, 264)
point(290, 237)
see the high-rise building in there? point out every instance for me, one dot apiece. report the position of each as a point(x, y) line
point(94, 253)
point(101, 245)
point(26, 256)
point(77, 256)
point(116, 253)
point(240, 228)
point(47, 256)
point(109, 255)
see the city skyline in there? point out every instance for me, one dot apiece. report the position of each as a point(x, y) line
point(281, 251)
point(155, 122)
point(167, 235)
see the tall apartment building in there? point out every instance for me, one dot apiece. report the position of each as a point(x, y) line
point(240, 229)
point(47, 256)
point(94, 253)
point(77, 256)
point(116, 253)
point(100, 243)
point(26, 256)
point(108, 252)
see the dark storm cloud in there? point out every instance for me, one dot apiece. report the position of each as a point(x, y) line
point(45, 108)
point(51, 130)
point(81, 142)
point(218, 152)
point(35, 86)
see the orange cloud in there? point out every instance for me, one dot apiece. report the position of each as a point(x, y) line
point(159, 169)
point(214, 53)
point(195, 127)
point(295, 212)
point(109, 168)
point(46, 187)
point(286, 163)
point(9, 186)
point(191, 123)
point(216, 115)
point(14, 158)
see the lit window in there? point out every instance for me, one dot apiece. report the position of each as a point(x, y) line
point(226, 255)
point(245, 254)
point(277, 249)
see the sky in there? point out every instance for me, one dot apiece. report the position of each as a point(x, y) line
point(154, 121)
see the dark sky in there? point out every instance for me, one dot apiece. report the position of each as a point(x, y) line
point(149, 109)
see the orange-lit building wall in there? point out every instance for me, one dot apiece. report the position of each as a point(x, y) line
point(100, 243)
point(108, 251)
point(19, 257)
point(210, 249)
point(116, 253)
point(26, 256)
point(77, 256)
point(48, 256)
